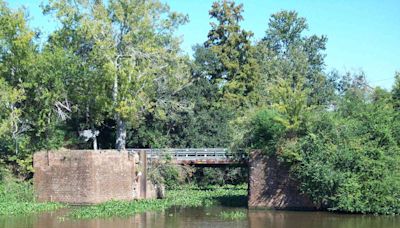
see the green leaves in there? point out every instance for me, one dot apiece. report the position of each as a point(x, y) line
point(357, 152)
point(237, 70)
point(9, 113)
point(127, 52)
point(266, 130)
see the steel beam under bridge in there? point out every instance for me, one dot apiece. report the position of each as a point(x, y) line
point(195, 156)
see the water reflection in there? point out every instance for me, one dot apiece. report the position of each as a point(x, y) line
point(283, 219)
point(206, 217)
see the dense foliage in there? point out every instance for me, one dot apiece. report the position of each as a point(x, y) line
point(349, 159)
point(112, 75)
point(346, 157)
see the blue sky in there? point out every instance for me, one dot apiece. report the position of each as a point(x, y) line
point(362, 34)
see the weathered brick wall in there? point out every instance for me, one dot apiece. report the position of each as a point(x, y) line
point(85, 176)
point(271, 187)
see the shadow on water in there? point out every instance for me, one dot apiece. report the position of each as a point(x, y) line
point(232, 201)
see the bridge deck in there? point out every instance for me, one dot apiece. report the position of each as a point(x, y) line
point(194, 156)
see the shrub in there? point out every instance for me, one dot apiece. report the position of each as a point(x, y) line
point(265, 130)
point(164, 172)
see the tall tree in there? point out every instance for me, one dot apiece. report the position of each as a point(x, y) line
point(286, 31)
point(33, 95)
point(236, 71)
point(17, 55)
point(284, 41)
point(191, 117)
point(131, 44)
point(15, 41)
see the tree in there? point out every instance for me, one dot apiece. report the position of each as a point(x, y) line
point(17, 48)
point(17, 55)
point(285, 31)
point(193, 117)
point(131, 44)
point(15, 40)
point(207, 123)
point(236, 70)
point(48, 103)
point(283, 43)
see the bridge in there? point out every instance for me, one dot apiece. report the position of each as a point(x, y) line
point(195, 156)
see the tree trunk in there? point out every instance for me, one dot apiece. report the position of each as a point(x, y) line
point(121, 134)
point(120, 141)
point(94, 143)
point(94, 135)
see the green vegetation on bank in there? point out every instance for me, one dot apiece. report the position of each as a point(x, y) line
point(187, 196)
point(346, 159)
point(17, 198)
point(349, 160)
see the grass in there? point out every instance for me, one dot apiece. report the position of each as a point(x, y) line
point(233, 215)
point(17, 198)
point(188, 196)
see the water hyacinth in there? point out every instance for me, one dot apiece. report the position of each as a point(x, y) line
point(233, 215)
point(188, 196)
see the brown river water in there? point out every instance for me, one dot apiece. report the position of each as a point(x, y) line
point(206, 217)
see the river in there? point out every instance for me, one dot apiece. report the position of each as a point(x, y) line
point(206, 217)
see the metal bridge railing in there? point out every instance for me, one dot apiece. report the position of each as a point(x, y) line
point(188, 154)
